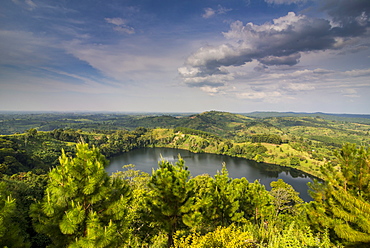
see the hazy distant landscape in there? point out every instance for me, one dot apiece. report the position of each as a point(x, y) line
point(12, 122)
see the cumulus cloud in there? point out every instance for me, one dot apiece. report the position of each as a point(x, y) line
point(281, 42)
point(345, 11)
point(120, 25)
point(277, 43)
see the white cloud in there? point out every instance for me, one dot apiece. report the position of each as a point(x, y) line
point(358, 73)
point(30, 4)
point(116, 21)
point(279, 43)
point(275, 49)
point(188, 71)
point(124, 63)
point(284, 1)
point(209, 12)
point(352, 93)
point(210, 90)
point(299, 87)
point(120, 25)
point(259, 95)
point(125, 29)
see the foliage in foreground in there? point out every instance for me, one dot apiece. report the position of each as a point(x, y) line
point(83, 206)
point(342, 203)
point(230, 236)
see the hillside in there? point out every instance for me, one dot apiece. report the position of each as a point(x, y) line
point(357, 118)
point(238, 127)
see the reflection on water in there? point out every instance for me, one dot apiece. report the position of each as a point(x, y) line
point(146, 159)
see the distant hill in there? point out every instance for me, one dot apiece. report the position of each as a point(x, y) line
point(329, 128)
point(357, 118)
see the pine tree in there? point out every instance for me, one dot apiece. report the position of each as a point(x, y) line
point(254, 199)
point(215, 201)
point(200, 211)
point(342, 203)
point(10, 232)
point(83, 206)
point(225, 199)
point(168, 196)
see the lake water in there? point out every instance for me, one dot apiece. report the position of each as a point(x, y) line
point(146, 159)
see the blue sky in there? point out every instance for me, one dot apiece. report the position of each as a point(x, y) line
point(185, 56)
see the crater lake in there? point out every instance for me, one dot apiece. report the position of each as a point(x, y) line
point(146, 159)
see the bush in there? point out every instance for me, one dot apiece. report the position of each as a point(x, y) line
point(295, 161)
point(222, 237)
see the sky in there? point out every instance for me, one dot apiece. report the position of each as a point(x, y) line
point(185, 55)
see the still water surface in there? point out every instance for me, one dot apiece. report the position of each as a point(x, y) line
point(146, 159)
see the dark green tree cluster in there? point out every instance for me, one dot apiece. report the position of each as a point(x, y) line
point(266, 138)
point(122, 141)
point(68, 134)
point(200, 133)
point(15, 158)
point(10, 231)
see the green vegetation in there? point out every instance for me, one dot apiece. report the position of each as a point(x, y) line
point(342, 203)
point(82, 205)
point(54, 191)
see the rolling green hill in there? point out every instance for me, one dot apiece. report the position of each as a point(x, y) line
point(316, 127)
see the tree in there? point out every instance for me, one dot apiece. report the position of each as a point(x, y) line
point(254, 200)
point(286, 199)
point(215, 201)
point(10, 232)
point(82, 205)
point(200, 212)
point(32, 132)
point(169, 194)
point(294, 161)
point(26, 188)
point(142, 225)
point(225, 199)
point(342, 202)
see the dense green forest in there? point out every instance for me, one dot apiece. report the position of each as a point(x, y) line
point(54, 190)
